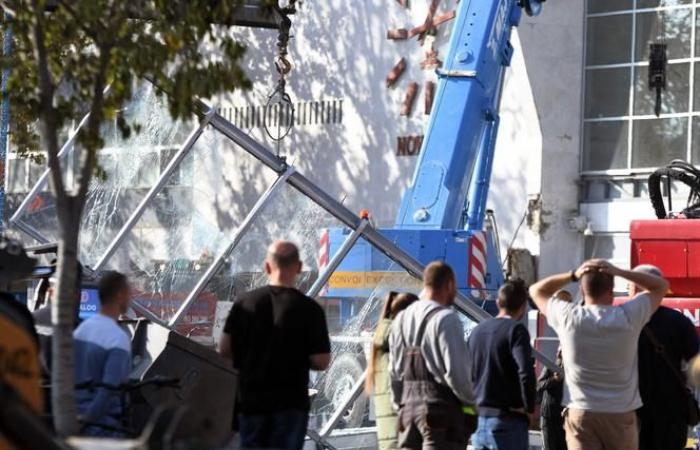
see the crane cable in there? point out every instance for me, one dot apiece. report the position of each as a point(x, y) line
point(279, 104)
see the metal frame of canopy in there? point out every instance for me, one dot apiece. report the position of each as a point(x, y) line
point(361, 228)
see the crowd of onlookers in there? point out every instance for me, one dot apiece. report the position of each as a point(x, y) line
point(617, 382)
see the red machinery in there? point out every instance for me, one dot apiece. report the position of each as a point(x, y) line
point(672, 245)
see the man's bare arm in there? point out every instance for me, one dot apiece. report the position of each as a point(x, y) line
point(544, 289)
point(320, 361)
point(655, 286)
point(225, 349)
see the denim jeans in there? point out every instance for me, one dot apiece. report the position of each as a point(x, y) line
point(501, 433)
point(283, 430)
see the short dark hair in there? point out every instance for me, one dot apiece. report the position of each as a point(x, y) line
point(596, 284)
point(438, 275)
point(512, 295)
point(111, 283)
point(286, 256)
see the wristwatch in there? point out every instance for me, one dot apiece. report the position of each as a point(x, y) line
point(574, 278)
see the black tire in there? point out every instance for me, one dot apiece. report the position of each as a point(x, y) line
point(344, 372)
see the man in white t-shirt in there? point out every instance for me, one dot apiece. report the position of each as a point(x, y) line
point(599, 349)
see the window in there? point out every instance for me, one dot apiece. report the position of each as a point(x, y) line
point(620, 130)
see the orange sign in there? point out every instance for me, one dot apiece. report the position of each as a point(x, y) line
point(370, 280)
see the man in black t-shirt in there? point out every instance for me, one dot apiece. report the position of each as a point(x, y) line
point(275, 335)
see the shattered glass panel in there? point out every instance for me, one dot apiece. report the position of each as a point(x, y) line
point(352, 318)
point(130, 167)
point(188, 225)
point(23, 172)
point(353, 301)
point(287, 215)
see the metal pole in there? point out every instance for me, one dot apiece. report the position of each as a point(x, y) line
point(43, 179)
point(31, 232)
point(5, 119)
point(350, 397)
point(147, 313)
point(314, 436)
point(242, 228)
point(336, 260)
point(248, 143)
point(157, 187)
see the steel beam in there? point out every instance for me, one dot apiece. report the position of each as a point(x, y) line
point(248, 143)
point(314, 436)
point(43, 179)
point(4, 114)
point(157, 187)
point(242, 228)
point(348, 218)
point(31, 232)
point(148, 314)
point(336, 260)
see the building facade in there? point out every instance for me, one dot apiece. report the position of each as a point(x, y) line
point(578, 132)
point(354, 137)
point(578, 135)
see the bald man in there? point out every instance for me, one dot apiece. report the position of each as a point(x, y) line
point(275, 335)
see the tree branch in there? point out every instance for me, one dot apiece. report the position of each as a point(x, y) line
point(47, 110)
point(93, 128)
point(78, 21)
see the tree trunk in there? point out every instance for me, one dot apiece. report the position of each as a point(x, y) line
point(63, 320)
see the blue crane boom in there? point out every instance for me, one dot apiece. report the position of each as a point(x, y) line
point(442, 213)
point(457, 152)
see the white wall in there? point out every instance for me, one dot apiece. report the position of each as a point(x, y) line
point(340, 50)
point(517, 165)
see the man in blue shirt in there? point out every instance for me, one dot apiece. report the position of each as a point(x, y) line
point(503, 373)
point(103, 355)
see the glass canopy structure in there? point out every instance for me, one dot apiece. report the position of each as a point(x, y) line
point(187, 209)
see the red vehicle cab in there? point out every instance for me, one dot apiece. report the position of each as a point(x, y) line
point(674, 247)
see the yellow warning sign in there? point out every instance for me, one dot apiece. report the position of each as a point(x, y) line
point(371, 280)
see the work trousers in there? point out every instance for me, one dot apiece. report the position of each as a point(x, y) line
point(501, 433)
point(434, 427)
point(282, 431)
point(587, 430)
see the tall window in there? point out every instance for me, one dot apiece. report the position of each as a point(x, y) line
point(620, 129)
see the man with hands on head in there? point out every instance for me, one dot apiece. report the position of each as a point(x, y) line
point(599, 349)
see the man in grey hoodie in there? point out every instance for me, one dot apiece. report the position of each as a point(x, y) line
point(429, 368)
